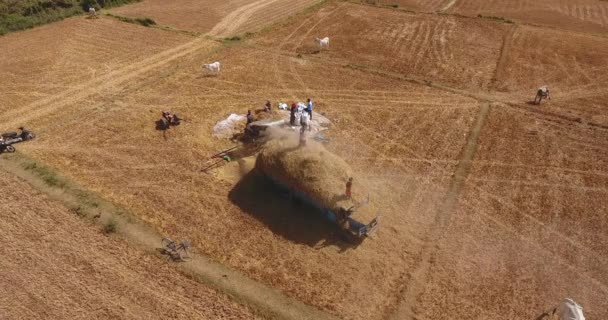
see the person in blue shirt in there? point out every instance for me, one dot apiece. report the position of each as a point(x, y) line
point(309, 108)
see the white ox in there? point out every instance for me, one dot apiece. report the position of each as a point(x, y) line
point(322, 43)
point(212, 68)
point(92, 11)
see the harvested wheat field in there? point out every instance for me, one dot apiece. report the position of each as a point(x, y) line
point(580, 15)
point(491, 207)
point(569, 67)
point(57, 266)
point(250, 232)
point(458, 51)
point(415, 5)
point(530, 226)
point(41, 63)
point(219, 17)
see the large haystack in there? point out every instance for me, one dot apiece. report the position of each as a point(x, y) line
point(311, 170)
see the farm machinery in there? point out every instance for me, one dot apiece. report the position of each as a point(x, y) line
point(7, 139)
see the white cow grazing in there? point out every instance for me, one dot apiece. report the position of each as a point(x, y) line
point(322, 43)
point(212, 68)
point(92, 11)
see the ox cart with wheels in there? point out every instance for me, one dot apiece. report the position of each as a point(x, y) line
point(317, 177)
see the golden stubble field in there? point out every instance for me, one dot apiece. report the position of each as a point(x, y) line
point(55, 265)
point(217, 17)
point(521, 231)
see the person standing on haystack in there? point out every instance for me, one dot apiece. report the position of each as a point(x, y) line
point(305, 121)
point(292, 117)
point(349, 186)
point(249, 117)
point(267, 106)
point(309, 108)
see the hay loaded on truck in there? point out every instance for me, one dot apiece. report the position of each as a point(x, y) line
point(318, 177)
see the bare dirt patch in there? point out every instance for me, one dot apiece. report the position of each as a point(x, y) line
point(55, 265)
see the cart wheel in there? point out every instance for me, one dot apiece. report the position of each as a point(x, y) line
point(10, 149)
point(184, 255)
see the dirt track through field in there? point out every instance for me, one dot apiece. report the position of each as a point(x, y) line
point(238, 17)
point(419, 276)
point(504, 51)
point(448, 5)
point(108, 81)
point(102, 84)
point(269, 300)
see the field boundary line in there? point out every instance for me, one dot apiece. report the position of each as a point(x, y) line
point(405, 307)
point(482, 97)
point(233, 21)
point(423, 82)
point(502, 60)
point(266, 301)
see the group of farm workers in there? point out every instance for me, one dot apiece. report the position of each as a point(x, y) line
point(305, 115)
point(306, 111)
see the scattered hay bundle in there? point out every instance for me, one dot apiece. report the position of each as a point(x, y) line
point(311, 170)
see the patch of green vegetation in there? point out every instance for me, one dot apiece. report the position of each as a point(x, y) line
point(394, 5)
point(106, 4)
point(231, 39)
point(237, 38)
point(501, 19)
point(18, 15)
point(146, 22)
point(110, 226)
point(315, 6)
point(45, 173)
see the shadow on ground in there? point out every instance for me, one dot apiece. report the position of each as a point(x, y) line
point(292, 220)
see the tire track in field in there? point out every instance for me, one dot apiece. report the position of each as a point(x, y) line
point(278, 12)
point(292, 66)
point(448, 6)
point(595, 13)
point(101, 84)
point(238, 17)
point(502, 60)
point(405, 309)
point(284, 42)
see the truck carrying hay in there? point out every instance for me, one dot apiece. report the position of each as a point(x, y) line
point(317, 177)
